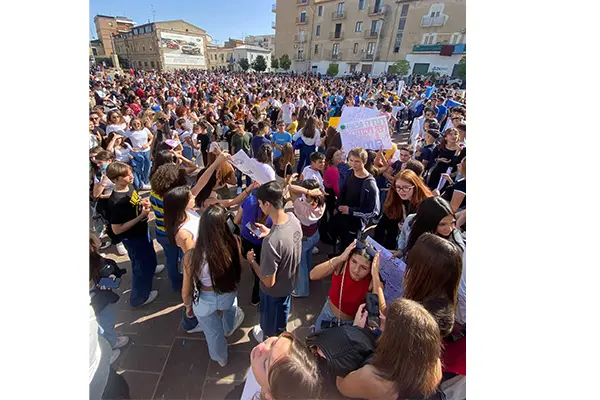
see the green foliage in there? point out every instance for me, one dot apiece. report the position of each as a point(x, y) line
point(461, 71)
point(260, 64)
point(400, 68)
point(333, 69)
point(285, 62)
point(244, 64)
point(274, 63)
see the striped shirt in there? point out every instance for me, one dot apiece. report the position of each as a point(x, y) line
point(157, 206)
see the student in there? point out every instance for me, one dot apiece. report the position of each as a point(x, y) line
point(431, 138)
point(280, 138)
point(456, 192)
point(414, 166)
point(186, 138)
point(264, 156)
point(279, 261)
point(203, 139)
point(141, 141)
point(241, 141)
point(390, 170)
point(417, 126)
point(287, 113)
point(259, 139)
point(283, 163)
point(310, 137)
point(129, 220)
point(315, 169)
point(445, 156)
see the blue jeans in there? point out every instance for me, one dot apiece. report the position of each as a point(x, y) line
point(173, 254)
point(274, 312)
point(141, 168)
point(303, 285)
point(106, 324)
point(188, 152)
point(328, 315)
point(304, 159)
point(238, 175)
point(143, 264)
point(215, 327)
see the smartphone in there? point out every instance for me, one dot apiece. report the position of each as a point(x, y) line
point(109, 283)
point(372, 310)
point(253, 229)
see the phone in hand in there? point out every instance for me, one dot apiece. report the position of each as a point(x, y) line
point(372, 310)
point(253, 229)
point(109, 283)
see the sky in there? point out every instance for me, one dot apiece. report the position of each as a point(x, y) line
point(220, 19)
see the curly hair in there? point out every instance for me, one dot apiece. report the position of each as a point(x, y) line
point(166, 177)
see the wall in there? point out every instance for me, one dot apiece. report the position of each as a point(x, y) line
point(442, 64)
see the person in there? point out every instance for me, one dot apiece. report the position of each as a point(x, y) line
point(264, 156)
point(212, 273)
point(350, 283)
point(241, 141)
point(444, 157)
point(408, 191)
point(358, 201)
point(116, 123)
point(292, 127)
point(141, 141)
point(279, 261)
point(414, 166)
point(310, 136)
point(431, 137)
point(456, 192)
point(287, 109)
point(186, 137)
point(95, 139)
point(434, 216)
point(128, 218)
point(259, 139)
point(315, 169)
point(280, 138)
point(283, 163)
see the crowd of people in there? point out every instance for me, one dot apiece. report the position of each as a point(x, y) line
point(160, 149)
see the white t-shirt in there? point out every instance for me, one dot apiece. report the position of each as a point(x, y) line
point(287, 110)
point(93, 141)
point(139, 138)
point(266, 168)
point(120, 129)
point(309, 141)
point(309, 173)
point(123, 154)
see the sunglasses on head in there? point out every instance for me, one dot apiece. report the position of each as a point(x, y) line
point(360, 245)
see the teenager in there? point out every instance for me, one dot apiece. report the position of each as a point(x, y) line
point(310, 137)
point(141, 141)
point(315, 169)
point(445, 156)
point(259, 139)
point(431, 137)
point(240, 140)
point(280, 138)
point(456, 192)
point(283, 164)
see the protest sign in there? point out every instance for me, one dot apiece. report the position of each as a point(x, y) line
point(400, 87)
point(372, 133)
point(429, 91)
point(248, 166)
point(334, 121)
point(443, 180)
point(391, 270)
point(351, 114)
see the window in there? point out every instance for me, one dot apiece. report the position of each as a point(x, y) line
point(340, 8)
point(358, 27)
point(361, 4)
point(370, 48)
point(375, 26)
point(143, 48)
point(355, 49)
point(336, 49)
point(318, 33)
point(429, 38)
point(94, 51)
point(398, 42)
point(303, 16)
point(404, 11)
point(436, 9)
point(300, 54)
point(152, 64)
point(402, 24)
point(146, 64)
point(320, 11)
point(316, 49)
point(455, 38)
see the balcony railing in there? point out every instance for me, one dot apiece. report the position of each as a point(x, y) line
point(434, 21)
point(299, 57)
point(436, 48)
point(374, 12)
point(300, 21)
point(336, 35)
point(274, 8)
point(371, 34)
point(335, 56)
point(301, 38)
point(301, 2)
point(273, 25)
point(338, 15)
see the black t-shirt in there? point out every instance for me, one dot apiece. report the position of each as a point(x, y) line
point(125, 206)
point(353, 193)
point(204, 140)
point(460, 186)
point(279, 171)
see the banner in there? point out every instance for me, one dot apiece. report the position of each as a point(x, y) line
point(391, 270)
point(429, 91)
point(181, 49)
point(248, 166)
point(372, 133)
point(351, 114)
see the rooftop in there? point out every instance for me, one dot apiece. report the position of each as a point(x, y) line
point(253, 48)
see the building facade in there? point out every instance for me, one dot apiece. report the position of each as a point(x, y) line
point(220, 58)
point(107, 26)
point(370, 35)
point(165, 45)
point(250, 53)
point(264, 41)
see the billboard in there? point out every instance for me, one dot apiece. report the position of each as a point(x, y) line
point(181, 49)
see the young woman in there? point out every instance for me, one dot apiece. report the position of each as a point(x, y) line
point(116, 123)
point(283, 164)
point(118, 145)
point(311, 139)
point(456, 193)
point(211, 275)
point(141, 141)
point(405, 196)
point(264, 156)
point(350, 283)
point(434, 216)
point(127, 113)
point(444, 156)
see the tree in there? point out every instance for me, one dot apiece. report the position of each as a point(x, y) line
point(260, 64)
point(285, 62)
point(243, 63)
point(461, 71)
point(400, 68)
point(274, 63)
point(333, 69)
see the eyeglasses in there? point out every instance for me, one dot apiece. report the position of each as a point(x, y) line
point(95, 118)
point(404, 188)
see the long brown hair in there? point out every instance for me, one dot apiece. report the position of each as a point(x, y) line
point(310, 130)
point(432, 276)
point(408, 352)
point(393, 207)
point(286, 157)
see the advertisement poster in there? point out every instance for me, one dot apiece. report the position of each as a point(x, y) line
point(372, 134)
point(181, 49)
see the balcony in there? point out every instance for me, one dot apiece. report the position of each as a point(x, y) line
point(440, 20)
point(299, 57)
point(436, 48)
point(371, 34)
point(335, 56)
point(336, 35)
point(367, 57)
point(338, 15)
point(301, 38)
point(274, 8)
point(300, 21)
point(376, 12)
point(273, 25)
point(301, 2)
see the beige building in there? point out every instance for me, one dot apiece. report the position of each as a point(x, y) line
point(220, 58)
point(370, 35)
point(165, 45)
point(106, 26)
point(264, 41)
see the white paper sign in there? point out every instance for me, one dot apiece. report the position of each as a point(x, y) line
point(251, 387)
point(248, 166)
point(351, 114)
point(400, 87)
point(443, 180)
point(391, 270)
point(372, 133)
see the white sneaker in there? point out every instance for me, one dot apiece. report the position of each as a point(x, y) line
point(115, 354)
point(197, 329)
point(121, 342)
point(151, 298)
point(258, 334)
point(145, 186)
point(105, 245)
point(222, 363)
point(159, 268)
point(121, 249)
point(239, 318)
point(315, 250)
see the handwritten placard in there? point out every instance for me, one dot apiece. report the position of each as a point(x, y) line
point(351, 114)
point(391, 270)
point(372, 133)
point(249, 167)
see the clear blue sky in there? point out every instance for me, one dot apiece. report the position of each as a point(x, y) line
point(221, 19)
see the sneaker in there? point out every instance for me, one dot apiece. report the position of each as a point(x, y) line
point(222, 363)
point(159, 268)
point(145, 186)
point(258, 334)
point(121, 342)
point(197, 329)
point(121, 249)
point(115, 354)
point(239, 191)
point(239, 318)
point(315, 250)
point(105, 245)
point(151, 298)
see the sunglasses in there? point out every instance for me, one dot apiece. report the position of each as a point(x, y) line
point(360, 245)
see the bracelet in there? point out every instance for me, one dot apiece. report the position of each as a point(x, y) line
point(331, 265)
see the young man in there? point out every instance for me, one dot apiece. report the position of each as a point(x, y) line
point(240, 140)
point(286, 111)
point(358, 200)
point(418, 125)
point(315, 169)
point(279, 261)
point(293, 126)
point(129, 220)
point(390, 171)
point(280, 138)
point(442, 111)
point(259, 139)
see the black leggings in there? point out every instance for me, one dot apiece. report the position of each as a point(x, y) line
point(116, 387)
point(246, 247)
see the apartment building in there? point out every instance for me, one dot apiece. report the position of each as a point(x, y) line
point(220, 58)
point(106, 26)
point(164, 45)
point(264, 41)
point(370, 35)
point(250, 53)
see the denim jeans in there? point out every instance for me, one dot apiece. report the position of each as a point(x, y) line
point(106, 324)
point(141, 168)
point(238, 175)
point(173, 254)
point(213, 326)
point(188, 152)
point(274, 312)
point(303, 286)
point(304, 159)
point(328, 315)
point(143, 264)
